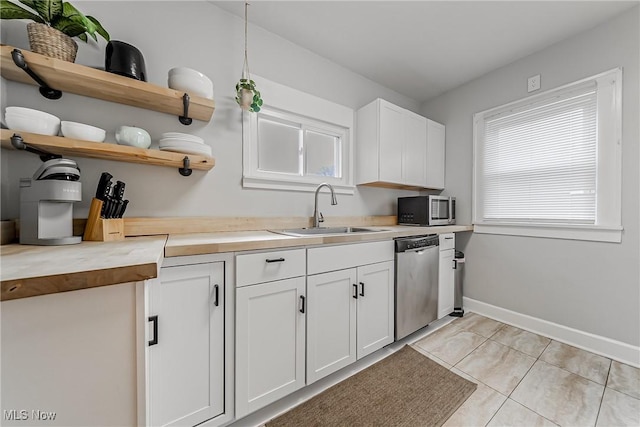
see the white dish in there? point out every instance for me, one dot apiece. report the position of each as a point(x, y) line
point(34, 121)
point(178, 141)
point(203, 150)
point(182, 136)
point(191, 81)
point(82, 131)
point(133, 137)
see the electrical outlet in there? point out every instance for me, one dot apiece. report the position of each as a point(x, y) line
point(533, 83)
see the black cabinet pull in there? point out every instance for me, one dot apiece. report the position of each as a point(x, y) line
point(154, 319)
point(362, 289)
point(302, 303)
point(355, 291)
point(275, 260)
point(216, 293)
point(455, 264)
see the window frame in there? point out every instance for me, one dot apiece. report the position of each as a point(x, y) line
point(285, 104)
point(608, 223)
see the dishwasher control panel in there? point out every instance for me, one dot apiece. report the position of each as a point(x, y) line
point(416, 242)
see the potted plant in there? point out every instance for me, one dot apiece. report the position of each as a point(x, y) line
point(55, 23)
point(248, 96)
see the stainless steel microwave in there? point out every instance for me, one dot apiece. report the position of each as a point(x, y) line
point(426, 210)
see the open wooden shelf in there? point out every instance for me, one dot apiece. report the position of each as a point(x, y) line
point(82, 80)
point(100, 150)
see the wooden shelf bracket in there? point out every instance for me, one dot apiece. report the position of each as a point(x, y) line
point(45, 90)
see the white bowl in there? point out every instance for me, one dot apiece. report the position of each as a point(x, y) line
point(34, 121)
point(191, 81)
point(81, 131)
point(133, 137)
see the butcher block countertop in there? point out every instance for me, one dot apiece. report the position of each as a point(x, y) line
point(28, 270)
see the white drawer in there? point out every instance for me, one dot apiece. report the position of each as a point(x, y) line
point(269, 266)
point(447, 241)
point(331, 258)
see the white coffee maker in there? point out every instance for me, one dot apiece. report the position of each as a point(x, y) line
point(46, 204)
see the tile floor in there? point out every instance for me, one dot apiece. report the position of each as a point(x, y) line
point(525, 379)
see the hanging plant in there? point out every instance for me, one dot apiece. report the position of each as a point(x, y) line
point(247, 95)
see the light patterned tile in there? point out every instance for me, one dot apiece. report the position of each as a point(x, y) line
point(514, 414)
point(450, 345)
point(625, 379)
point(477, 324)
point(479, 408)
point(566, 399)
point(431, 356)
point(618, 409)
point(524, 341)
point(454, 348)
point(586, 364)
point(497, 366)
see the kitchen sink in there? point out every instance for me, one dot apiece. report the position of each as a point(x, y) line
point(321, 231)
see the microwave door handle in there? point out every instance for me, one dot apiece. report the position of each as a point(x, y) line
point(450, 210)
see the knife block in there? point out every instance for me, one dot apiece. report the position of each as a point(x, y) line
point(102, 229)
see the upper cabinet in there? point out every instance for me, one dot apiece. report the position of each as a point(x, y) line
point(397, 148)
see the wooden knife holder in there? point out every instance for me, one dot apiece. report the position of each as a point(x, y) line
point(102, 229)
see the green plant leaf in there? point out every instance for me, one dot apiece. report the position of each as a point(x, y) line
point(83, 37)
point(69, 27)
point(255, 109)
point(99, 28)
point(49, 10)
point(10, 10)
point(30, 3)
point(70, 12)
point(259, 102)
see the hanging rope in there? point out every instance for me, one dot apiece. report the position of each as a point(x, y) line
point(245, 68)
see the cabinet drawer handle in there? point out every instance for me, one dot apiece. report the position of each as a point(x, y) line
point(154, 319)
point(455, 264)
point(302, 303)
point(216, 293)
point(361, 289)
point(448, 238)
point(275, 260)
point(355, 291)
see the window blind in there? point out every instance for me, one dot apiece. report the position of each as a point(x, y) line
point(538, 162)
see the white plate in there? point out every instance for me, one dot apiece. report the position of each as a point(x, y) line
point(173, 142)
point(204, 150)
point(183, 136)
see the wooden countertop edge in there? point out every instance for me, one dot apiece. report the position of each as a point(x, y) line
point(44, 285)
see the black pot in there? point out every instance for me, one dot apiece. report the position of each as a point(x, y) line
point(126, 60)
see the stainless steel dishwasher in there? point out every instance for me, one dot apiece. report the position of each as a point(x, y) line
point(417, 260)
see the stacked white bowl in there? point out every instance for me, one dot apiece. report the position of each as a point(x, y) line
point(29, 120)
point(184, 143)
point(190, 81)
point(81, 131)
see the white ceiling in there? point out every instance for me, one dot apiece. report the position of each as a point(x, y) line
point(424, 48)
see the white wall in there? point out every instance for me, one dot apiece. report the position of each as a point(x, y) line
point(593, 287)
point(199, 35)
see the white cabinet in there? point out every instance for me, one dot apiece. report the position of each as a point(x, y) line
point(270, 329)
point(351, 310)
point(446, 274)
point(397, 148)
point(435, 155)
point(186, 349)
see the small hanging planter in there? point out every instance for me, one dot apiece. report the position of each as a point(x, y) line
point(247, 95)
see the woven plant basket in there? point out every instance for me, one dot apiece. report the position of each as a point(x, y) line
point(50, 42)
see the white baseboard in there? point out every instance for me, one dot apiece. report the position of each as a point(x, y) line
point(616, 350)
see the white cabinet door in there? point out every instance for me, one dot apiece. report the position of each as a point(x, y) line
point(375, 312)
point(186, 365)
point(391, 139)
point(414, 155)
point(435, 155)
point(270, 342)
point(445, 283)
point(331, 322)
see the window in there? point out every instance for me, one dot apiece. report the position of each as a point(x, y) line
point(549, 165)
point(297, 141)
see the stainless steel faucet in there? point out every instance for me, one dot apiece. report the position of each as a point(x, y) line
point(317, 216)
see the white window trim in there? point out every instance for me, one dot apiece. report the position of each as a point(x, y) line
point(608, 227)
point(280, 98)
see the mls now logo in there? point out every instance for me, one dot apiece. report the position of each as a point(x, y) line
point(23, 415)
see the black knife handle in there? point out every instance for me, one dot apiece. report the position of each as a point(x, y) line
point(123, 208)
point(118, 190)
point(103, 185)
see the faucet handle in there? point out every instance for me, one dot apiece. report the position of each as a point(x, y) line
point(320, 217)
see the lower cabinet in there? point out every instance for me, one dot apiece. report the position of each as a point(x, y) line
point(270, 337)
point(185, 354)
point(350, 315)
